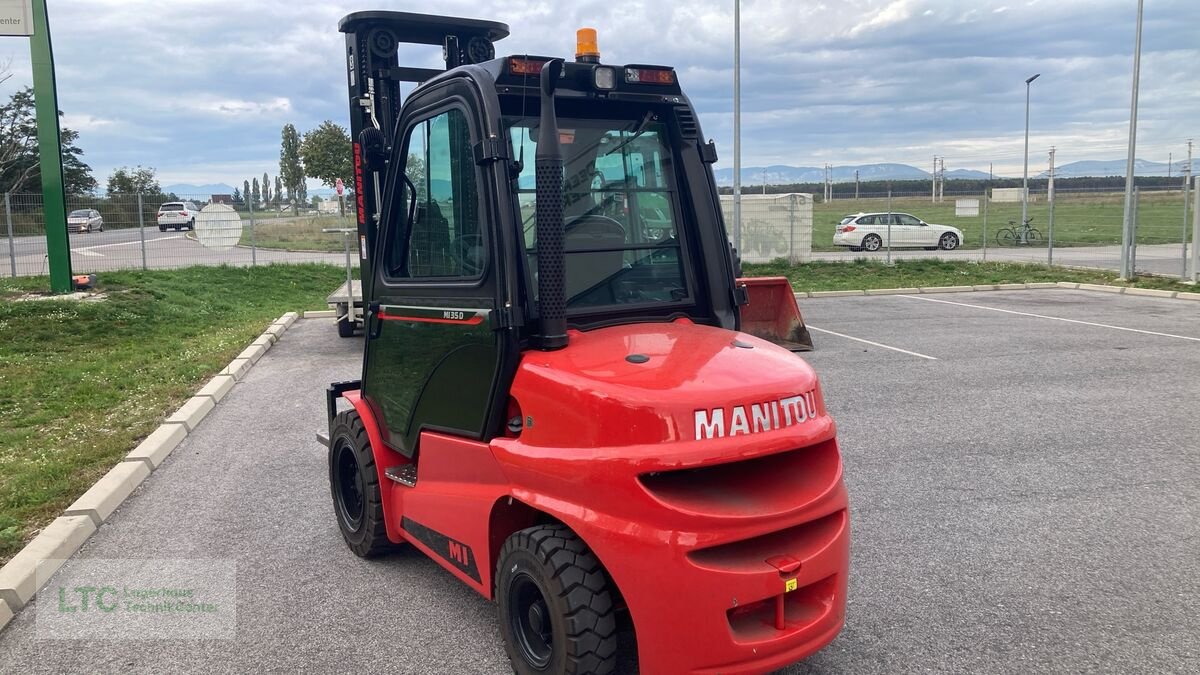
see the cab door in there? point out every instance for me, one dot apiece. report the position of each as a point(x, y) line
point(433, 359)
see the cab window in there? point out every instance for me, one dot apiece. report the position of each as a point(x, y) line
point(443, 238)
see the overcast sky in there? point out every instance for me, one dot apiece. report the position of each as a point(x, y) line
point(199, 89)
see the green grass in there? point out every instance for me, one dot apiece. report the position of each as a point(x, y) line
point(1079, 219)
point(299, 234)
point(864, 274)
point(82, 382)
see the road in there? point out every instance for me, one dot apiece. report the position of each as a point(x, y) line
point(122, 249)
point(1162, 259)
point(1021, 502)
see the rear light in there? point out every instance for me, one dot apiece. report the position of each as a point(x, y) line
point(183, 213)
point(847, 228)
point(658, 76)
point(525, 66)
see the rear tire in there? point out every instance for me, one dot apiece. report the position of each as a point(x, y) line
point(556, 609)
point(191, 224)
point(354, 486)
point(162, 228)
point(872, 242)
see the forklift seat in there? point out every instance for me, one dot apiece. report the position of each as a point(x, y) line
point(587, 269)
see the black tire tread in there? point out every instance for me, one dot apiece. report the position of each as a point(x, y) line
point(376, 541)
point(591, 625)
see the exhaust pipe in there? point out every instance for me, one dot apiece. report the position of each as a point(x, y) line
point(548, 174)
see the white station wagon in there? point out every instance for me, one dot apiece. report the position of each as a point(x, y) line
point(870, 231)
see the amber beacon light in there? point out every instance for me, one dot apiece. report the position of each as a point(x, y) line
point(586, 49)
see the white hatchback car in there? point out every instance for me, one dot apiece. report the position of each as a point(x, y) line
point(870, 231)
point(178, 215)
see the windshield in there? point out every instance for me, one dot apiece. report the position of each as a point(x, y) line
point(171, 207)
point(847, 219)
point(622, 245)
point(80, 214)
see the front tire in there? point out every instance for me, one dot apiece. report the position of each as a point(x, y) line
point(872, 242)
point(948, 242)
point(354, 486)
point(556, 609)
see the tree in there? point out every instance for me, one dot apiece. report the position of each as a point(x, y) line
point(19, 160)
point(237, 197)
point(327, 154)
point(291, 168)
point(278, 191)
point(138, 180)
point(266, 190)
point(246, 192)
point(255, 194)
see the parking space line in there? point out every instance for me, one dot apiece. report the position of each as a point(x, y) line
point(873, 344)
point(126, 243)
point(1055, 318)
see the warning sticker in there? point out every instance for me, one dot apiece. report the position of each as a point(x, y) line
point(789, 585)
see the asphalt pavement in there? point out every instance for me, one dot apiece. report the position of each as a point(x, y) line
point(1023, 485)
point(115, 249)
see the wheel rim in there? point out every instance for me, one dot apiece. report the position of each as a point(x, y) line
point(529, 617)
point(348, 480)
point(949, 242)
point(872, 243)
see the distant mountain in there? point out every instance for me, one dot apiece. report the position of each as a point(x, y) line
point(784, 174)
point(186, 190)
point(1116, 167)
point(968, 174)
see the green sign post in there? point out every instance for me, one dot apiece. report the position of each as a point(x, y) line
point(28, 17)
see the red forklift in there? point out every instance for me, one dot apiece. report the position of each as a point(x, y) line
point(567, 400)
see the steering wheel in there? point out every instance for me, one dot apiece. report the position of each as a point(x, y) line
point(468, 251)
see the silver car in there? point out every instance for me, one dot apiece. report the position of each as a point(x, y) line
point(85, 220)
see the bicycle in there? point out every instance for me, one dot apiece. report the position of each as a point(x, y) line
point(1014, 236)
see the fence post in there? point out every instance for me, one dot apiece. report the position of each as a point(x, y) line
point(792, 258)
point(1195, 227)
point(12, 251)
point(253, 243)
point(1184, 255)
point(985, 235)
point(142, 228)
point(889, 228)
point(1050, 225)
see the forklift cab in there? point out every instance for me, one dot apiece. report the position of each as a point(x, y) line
point(451, 266)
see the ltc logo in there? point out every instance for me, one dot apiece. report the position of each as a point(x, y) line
point(87, 601)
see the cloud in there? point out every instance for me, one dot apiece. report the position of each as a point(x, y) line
point(201, 88)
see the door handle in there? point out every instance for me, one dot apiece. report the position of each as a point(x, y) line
point(374, 323)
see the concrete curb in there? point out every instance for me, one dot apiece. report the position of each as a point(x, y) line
point(192, 413)
point(35, 564)
point(217, 387)
point(1102, 288)
point(155, 448)
point(892, 291)
point(106, 495)
point(320, 314)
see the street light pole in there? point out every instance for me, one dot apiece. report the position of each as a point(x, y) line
point(1025, 179)
point(1127, 271)
point(737, 125)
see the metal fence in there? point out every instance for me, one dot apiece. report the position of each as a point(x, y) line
point(1078, 228)
point(130, 234)
point(773, 226)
